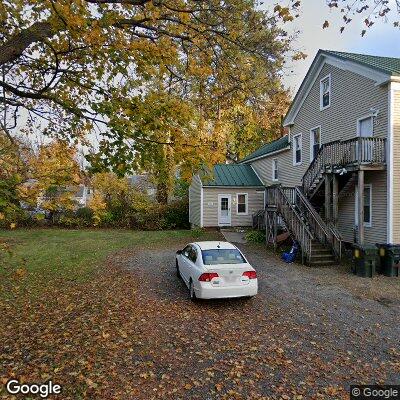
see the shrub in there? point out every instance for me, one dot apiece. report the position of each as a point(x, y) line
point(85, 216)
point(177, 215)
point(255, 237)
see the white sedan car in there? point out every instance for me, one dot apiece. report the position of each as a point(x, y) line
point(216, 270)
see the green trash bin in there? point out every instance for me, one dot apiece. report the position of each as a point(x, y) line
point(365, 260)
point(390, 258)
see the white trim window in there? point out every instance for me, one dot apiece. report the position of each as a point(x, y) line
point(315, 142)
point(242, 203)
point(367, 206)
point(325, 92)
point(275, 173)
point(297, 149)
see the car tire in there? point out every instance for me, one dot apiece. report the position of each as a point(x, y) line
point(192, 294)
point(178, 273)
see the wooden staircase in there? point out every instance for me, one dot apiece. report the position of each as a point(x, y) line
point(319, 243)
point(321, 255)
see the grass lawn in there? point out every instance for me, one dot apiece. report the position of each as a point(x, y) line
point(71, 255)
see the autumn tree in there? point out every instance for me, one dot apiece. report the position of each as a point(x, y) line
point(115, 196)
point(369, 11)
point(14, 171)
point(87, 65)
point(48, 174)
point(54, 175)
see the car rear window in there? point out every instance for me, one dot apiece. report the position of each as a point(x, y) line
point(222, 256)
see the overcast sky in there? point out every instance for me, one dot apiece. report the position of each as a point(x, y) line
point(382, 39)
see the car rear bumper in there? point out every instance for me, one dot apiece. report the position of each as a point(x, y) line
point(207, 291)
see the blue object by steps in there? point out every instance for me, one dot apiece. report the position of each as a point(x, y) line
point(291, 256)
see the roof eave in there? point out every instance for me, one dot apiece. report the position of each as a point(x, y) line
point(378, 75)
point(265, 155)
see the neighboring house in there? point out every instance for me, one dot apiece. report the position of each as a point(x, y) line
point(229, 196)
point(340, 162)
point(143, 182)
point(83, 195)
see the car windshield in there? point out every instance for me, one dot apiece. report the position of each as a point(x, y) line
point(222, 256)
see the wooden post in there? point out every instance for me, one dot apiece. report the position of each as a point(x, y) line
point(327, 198)
point(361, 207)
point(275, 229)
point(335, 192)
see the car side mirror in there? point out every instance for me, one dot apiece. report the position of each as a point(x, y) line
point(179, 252)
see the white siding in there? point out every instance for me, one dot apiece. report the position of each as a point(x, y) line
point(210, 203)
point(396, 168)
point(377, 232)
point(195, 201)
point(352, 97)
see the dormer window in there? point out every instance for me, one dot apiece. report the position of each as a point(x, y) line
point(325, 92)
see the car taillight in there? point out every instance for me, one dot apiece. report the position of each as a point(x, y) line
point(207, 276)
point(250, 274)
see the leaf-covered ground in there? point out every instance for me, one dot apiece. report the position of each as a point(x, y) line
point(130, 332)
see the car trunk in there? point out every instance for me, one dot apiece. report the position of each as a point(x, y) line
point(229, 274)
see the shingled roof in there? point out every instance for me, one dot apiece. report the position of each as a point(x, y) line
point(388, 65)
point(268, 148)
point(232, 175)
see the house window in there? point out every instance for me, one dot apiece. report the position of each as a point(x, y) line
point(367, 206)
point(275, 175)
point(325, 92)
point(315, 142)
point(242, 203)
point(297, 149)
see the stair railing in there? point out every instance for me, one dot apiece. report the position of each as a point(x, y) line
point(294, 222)
point(324, 233)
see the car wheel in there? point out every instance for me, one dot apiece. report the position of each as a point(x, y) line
point(192, 294)
point(178, 273)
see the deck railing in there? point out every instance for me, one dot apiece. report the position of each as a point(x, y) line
point(342, 153)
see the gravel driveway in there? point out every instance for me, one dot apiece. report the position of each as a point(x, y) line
point(309, 333)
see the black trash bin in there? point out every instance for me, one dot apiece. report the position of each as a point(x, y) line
point(365, 260)
point(390, 258)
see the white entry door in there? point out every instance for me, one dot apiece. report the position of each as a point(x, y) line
point(366, 127)
point(224, 209)
point(366, 130)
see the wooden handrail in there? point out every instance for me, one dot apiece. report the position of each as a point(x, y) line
point(302, 219)
point(322, 230)
point(294, 221)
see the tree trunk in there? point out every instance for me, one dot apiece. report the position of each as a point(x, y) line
point(162, 193)
point(14, 47)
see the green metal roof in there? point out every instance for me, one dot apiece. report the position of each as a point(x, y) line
point(270, 147)
point(232, 175)
point(387, 65)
